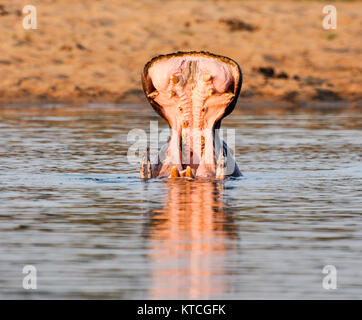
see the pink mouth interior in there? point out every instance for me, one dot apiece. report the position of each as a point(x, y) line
point(193, 92)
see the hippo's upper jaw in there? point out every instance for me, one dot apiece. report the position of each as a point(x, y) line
point(193, 91)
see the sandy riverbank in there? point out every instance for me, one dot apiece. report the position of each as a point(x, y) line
point(94, 51)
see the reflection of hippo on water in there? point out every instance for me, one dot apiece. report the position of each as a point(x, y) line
point(193, 91)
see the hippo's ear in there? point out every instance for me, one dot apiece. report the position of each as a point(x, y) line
point(222, 62)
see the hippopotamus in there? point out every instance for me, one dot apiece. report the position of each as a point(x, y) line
point(193, 92)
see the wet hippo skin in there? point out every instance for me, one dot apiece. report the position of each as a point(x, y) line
point(193, 91)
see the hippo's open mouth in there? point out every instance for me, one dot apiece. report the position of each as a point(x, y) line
point(193, 91)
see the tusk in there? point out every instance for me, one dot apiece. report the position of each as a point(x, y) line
point(188, 173)
point(229, 95)
point(153, 94)
point(220, 166)
point(174, 79)
point(174, 172)
point(207, 77)
point(145, 168)
point(149, 172)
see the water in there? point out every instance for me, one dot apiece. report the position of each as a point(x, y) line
point(72, 206)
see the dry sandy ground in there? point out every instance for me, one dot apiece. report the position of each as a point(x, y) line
point(94, 51)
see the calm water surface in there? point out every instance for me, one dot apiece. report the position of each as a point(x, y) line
point(71, 205)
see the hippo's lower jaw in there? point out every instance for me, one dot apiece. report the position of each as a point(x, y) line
point(193, 91)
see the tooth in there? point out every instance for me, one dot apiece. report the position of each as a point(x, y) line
point(171, 94)
point(220, 166)
point(174, 79)
point(229, 94)
point(149, 172)
point(145, 168)
point(207, 77)
point(153, 94)
point(174, 172)
point(188, 172)
point(202, 145)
